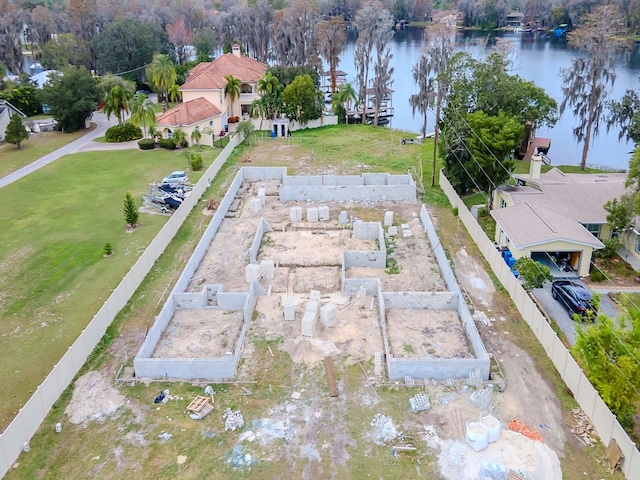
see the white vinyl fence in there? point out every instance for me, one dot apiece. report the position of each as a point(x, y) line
point(605, 423)
point(29, 418)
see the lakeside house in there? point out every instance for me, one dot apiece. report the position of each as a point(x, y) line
point(558, 218)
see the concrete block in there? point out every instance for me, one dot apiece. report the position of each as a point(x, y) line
point(388, 218)
point(313, 306)
point(262, 193)
point(289, 313)
point(343, 217)
point(328, 314)
point(314, 295)
point(323, 213)
point(308, 324)
point(420, 402)
point(251, 272)
point(312, 214)
point(393, 231)
point(295, 214)
point(267, 269)
point(255, 204)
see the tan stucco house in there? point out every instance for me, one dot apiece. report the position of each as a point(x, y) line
point(556, 218)
point(204, 87)
point(6, 111)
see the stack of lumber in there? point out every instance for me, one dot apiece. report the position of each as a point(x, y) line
point(583, 431)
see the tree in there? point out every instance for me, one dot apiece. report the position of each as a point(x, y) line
point(625, 113)
point(179, 137)
point(66, 49)
point(71, 95)
point(341, 100)
point(196, 135)
point(301, 99)
point(180, 36)
point(269, 104)
point(131, 213)
point(421, 101)
point(142, 112)
point(534, 274)
point(162, 74)
point(16, 131)
point(331, 38)
point(174, 93)
point(292, 35)
point(606, 353)
point(232, 90)
point(127, 44)
point(106, 83)
point(117, 103)
point(25, 97)
point(491, 145)
point(586, 82)
point(247, 130)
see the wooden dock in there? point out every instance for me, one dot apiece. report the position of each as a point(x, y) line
point(538, 144)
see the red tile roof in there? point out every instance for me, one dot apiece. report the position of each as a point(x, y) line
point(210, 75)
point(189, 113)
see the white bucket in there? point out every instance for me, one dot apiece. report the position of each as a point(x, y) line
point(493, 427)
point(477, 436)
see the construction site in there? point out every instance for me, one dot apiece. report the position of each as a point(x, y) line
point(331, 275)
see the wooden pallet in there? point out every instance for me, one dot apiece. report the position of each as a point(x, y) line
point(203, 412)
point(515, 476)
point(614, 454)
point(198, 404)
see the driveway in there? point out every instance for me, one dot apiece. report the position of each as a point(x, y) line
point(560, 315)
point(99, 118)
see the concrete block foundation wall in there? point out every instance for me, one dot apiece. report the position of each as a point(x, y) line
point(422, 300)
point(263, 227)
point(373, 259)
point(366, 230)
point(438, 368)
point(351, 286)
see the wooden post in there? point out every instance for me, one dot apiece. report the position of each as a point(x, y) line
point(331, 375)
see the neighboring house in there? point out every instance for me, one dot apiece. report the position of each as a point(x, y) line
point(6, 110)
point(205, 86)
point(556, 218)
point(514, 20)
point(191, 115)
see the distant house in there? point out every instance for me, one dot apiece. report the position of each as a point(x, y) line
point(514, 20)
point(6, 111)
point(196, 114)
point(204, 92)
point(556, 218)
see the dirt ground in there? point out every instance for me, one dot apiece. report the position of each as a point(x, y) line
point(200, 334)
point(426, 334)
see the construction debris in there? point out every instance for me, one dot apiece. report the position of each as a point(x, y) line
point(584, 431)
point(331, 375)
point(383, 429)
point(200, 407)
point(614, 454)
point(233, 421)
point(529, 432)
point(420, 402)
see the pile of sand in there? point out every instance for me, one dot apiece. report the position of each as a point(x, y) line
point(93, 398)
point(309, 350)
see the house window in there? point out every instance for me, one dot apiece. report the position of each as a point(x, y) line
point(211, 123)
point(594, 228)
point(638, 245)
point(503, 203)
point(244, 88)
point(615, 233)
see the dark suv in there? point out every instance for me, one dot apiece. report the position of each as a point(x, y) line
point(576, 298)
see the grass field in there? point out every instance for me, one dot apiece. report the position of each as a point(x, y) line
point(128, 445)
point(53, 277)
point(12, 158)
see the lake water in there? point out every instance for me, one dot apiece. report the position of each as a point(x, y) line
point(538, 60)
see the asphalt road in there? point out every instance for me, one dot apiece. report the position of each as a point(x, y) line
point(99, 118)
point(557, 311)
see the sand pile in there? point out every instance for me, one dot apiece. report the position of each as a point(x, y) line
point(93, 398)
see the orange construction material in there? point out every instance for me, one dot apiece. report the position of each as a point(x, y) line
point(529, 432)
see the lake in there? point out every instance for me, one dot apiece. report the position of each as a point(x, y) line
point(536, 59)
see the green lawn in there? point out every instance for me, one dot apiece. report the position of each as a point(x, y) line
point(53, 277)
point(12, 158)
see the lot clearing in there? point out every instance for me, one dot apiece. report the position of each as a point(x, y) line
point(292, 427)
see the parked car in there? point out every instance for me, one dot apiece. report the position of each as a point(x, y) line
point(575, 297)
point(175, 178)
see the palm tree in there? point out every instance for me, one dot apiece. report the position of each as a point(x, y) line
point(142, 113)
point(117, 103)
point(163, 75)
point(196, 135)
point(232, 89)
point(269, 84)
point(345, 95)
point(178, 137)
point(259, 109)
point(174, 93)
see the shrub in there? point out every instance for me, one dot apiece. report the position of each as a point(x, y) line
point(147, 144)
point(196, 162)
point(124, 133)
point(596, 275)
point(167, 143)
point(131, 213)
point(107, 249)
point(611, 247)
